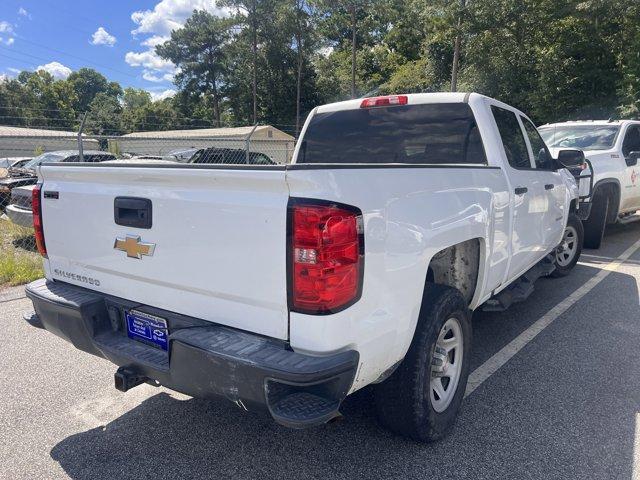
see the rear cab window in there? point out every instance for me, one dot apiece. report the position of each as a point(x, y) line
point(425, 134)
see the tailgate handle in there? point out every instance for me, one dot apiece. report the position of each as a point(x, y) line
point(132, 212)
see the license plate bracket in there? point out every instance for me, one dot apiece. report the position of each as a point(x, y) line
point(147, 328)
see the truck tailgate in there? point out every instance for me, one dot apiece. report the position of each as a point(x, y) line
point(218, 239)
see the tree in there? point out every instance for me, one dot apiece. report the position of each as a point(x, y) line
point(104, 115)
point(198, 50)
point(87, 83)
point(255, 18)
point(302, 29)
point(134, 98)
point(456, 50)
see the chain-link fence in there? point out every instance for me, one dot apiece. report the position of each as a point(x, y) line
point(21, 150)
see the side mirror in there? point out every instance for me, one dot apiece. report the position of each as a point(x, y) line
point(632, 158)
point(571, 158)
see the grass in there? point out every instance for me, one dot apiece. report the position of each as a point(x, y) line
point(19, 261)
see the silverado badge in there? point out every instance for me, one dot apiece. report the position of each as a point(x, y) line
point(134, 246)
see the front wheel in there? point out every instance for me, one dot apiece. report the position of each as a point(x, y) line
point(421, 399)
point(595, 225)
point(569, 250)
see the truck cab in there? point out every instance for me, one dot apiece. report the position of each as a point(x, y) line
point(613, 149)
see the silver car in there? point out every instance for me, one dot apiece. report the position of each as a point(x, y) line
point(19, 208)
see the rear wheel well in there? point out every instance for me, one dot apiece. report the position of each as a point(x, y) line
point(457, 266)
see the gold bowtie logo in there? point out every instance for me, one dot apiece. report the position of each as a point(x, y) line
point(134, 246)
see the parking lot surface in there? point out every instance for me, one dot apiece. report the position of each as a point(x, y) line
point(564, 403)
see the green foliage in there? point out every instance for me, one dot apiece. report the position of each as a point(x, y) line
point(198, 50)
point(19, 263)
point(104, 117)
point(277, 59)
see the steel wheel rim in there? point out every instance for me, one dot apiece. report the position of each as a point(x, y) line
point(446, 365)
point(568, 248)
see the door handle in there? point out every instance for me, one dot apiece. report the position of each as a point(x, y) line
point(132, 212)
point(521, 190)
point(549, 186)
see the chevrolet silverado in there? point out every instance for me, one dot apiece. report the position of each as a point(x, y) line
point(288, 287)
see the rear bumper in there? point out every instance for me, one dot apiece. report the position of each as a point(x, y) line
point(204, 360)
point(20, 216)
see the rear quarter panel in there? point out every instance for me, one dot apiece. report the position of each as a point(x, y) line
point(410, 213)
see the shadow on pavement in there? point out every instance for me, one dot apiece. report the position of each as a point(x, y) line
point(564, 407)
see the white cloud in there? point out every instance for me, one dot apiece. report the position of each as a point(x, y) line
point(148, 59)
point(23, 13)
point(14, 70)
point(155, 40)
point(168, 93)
point(102, 37)
point(167, 15)
point(170, 15)
point(56, 69)
point(6, 29)
point(152, 77)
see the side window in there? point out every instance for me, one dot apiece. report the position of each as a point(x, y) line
point(512, 139)
point(541, 156)
point(73, 158)
point(631, 140)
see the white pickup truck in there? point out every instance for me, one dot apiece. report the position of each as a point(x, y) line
point(290, 287)
point(613, 148)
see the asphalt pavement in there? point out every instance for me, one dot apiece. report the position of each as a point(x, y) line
point(567, 405)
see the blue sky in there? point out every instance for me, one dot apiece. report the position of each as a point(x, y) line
point(114, 37)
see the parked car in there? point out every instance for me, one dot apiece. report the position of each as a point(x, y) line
point(230, 156)
point(183, 154)
point(290, 287)
point(9, 162)
point(19, 208)
point(613, 148)
point(26, 173)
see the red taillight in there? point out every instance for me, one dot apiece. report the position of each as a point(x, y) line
point(327, 257)
point(384, 101)
point(36, 209)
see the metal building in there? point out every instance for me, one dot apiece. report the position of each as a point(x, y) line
point(29, 142)
point(265, 139)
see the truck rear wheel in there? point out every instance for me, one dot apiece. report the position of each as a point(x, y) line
point(594, 225)
point(569, 250)
point(421, 399)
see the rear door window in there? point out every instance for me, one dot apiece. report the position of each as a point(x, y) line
point(437, 133)
point(513, 141)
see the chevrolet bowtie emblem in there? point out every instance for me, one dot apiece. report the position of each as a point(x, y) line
point(134, 246)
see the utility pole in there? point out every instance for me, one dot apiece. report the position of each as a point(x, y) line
point(354, 24)
point(80, 146)
point(456, 50)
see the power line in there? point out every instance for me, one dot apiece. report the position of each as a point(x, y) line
point(82, 59)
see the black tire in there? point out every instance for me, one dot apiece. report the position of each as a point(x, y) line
point(596, 223)
point(563, 269)
point(403, 401)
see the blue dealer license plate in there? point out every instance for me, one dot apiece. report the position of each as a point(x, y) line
point(147, 328)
